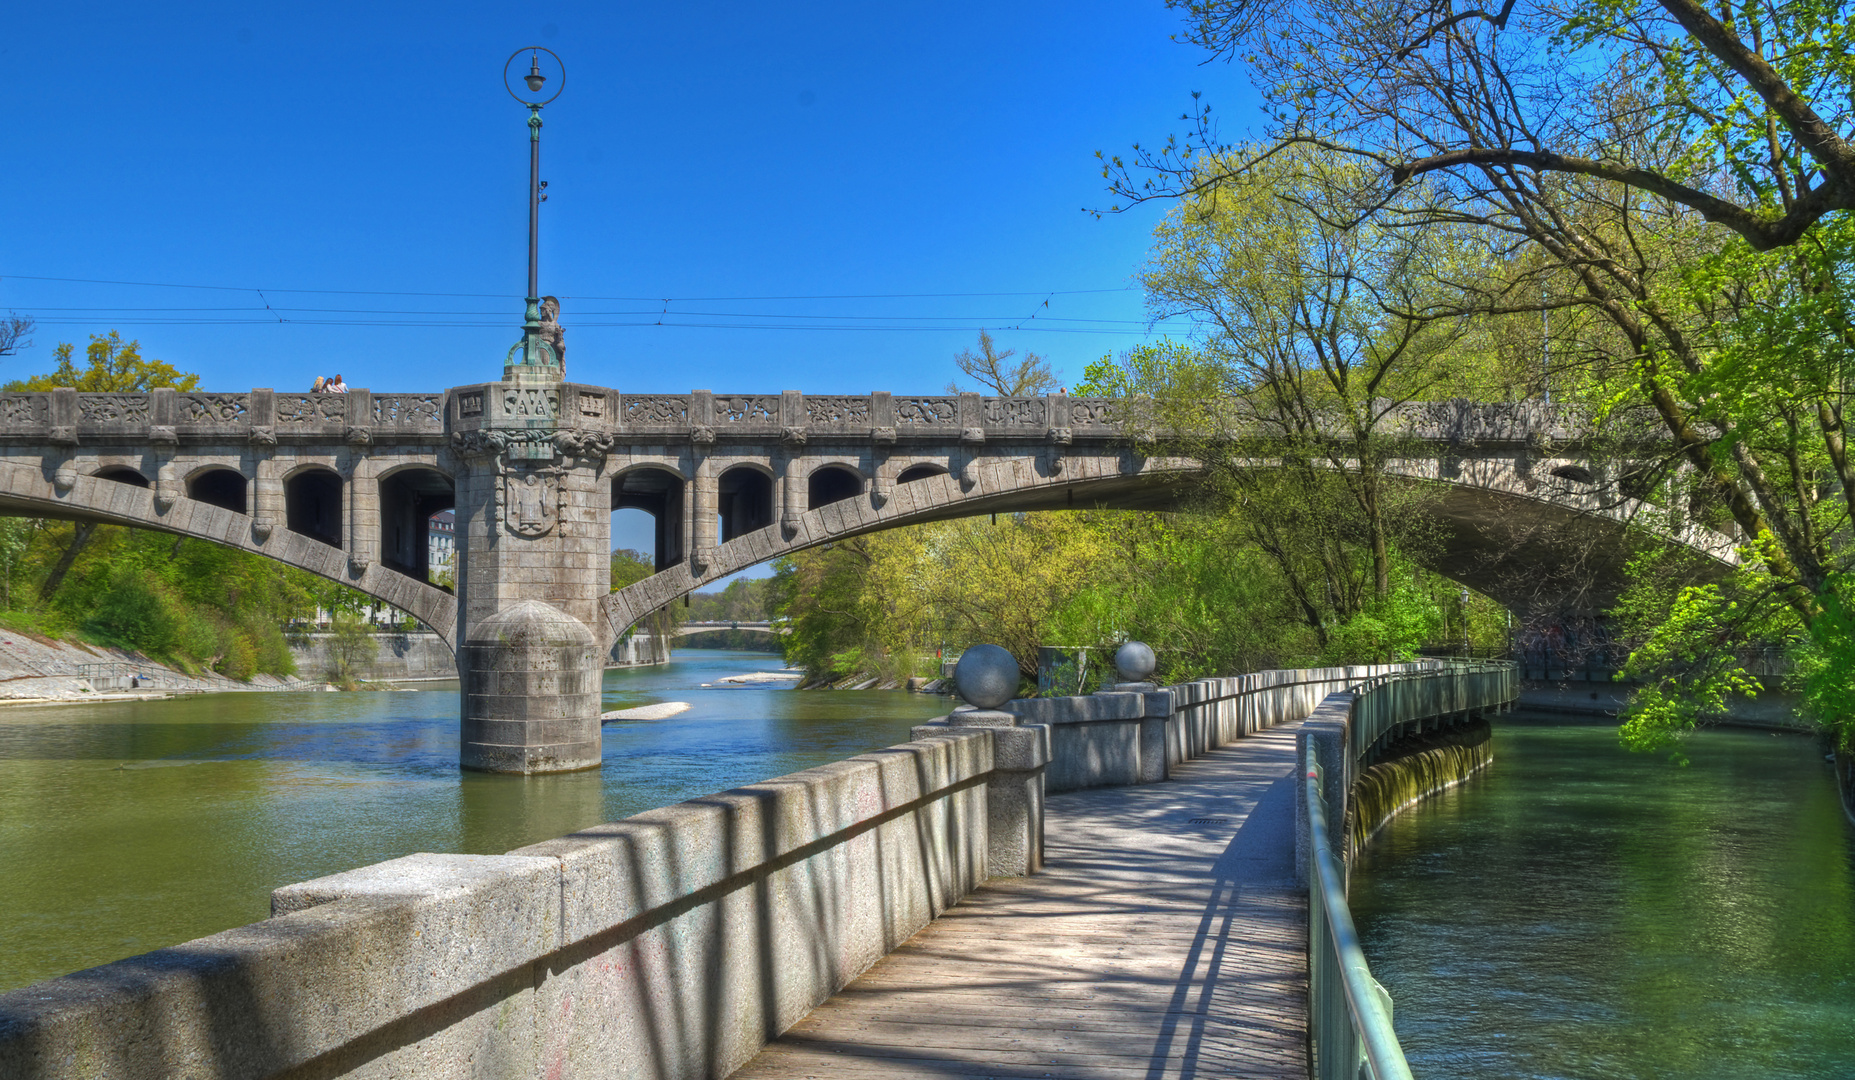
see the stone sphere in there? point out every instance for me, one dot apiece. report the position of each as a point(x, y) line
point(987, 676)
point(1135, 661)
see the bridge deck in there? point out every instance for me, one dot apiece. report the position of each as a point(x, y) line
point(1150, 947)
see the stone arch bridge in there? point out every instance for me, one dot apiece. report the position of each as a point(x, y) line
point(344, 486)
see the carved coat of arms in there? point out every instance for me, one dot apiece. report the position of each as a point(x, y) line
point(530, 503)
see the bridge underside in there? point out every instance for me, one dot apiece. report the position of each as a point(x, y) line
point(1553, 548)
point(27, 492)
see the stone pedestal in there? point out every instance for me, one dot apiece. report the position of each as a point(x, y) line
point(1014, 792)
point(531, 692)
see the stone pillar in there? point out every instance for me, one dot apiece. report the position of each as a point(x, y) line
point(533, 535)
point(987, 676)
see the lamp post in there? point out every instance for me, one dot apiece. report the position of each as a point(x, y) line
point(535, 350)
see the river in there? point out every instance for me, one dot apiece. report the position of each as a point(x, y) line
point(1580, 911)
point(128, 826)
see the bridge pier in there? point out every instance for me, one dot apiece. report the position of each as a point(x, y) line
point(533, 536)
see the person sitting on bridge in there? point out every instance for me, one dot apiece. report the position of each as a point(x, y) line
point(336, 386)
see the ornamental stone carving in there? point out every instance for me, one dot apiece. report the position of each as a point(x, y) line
point(23, 410)
point(531, 502)
point(747, 410)
point(656, 410)
point(830, 411)
point(1015, 412)
point(113, 408)
point(925, 412)
point(215, 408)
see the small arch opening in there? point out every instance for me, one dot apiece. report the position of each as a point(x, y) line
point(659, 494)
point(312, 505)
point(223, 488)
point(1573, 473)
point(122, 474)
point(744, 501)
point(418, 532)
point(919, 472)
point(833, 483)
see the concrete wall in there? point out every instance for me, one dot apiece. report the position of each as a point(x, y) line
point(670, 944)
point(1112, 738)
point(402, 656)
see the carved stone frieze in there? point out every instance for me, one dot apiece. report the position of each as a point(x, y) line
point(410, 410)
point(655, 410)
point(925, 412)
point(112, 408)
point(747, 409)
point(214, 408)
point(297, 409)
point(23, 410)
point(1015, 412)
point(836, 411)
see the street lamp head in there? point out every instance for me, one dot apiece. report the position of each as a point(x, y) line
point(534, 79)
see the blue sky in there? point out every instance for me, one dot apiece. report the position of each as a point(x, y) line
point(866, 159)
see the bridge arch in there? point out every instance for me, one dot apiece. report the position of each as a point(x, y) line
point(123, 474)
point(410, 495)
point(830, 483)
point(28, 491)
point(312, 498)
point(744, 499)
point(921, 470)
point(1566, 527)
point(660, 489)
point(220, 485)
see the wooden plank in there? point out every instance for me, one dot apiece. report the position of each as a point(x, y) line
point(1145, 950)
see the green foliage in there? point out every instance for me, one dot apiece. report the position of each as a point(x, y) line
point(351, 648)
point(114, 366)
point(1192, 585)
point(630, 565)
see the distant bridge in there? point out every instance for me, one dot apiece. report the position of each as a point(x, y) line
point(717, 626)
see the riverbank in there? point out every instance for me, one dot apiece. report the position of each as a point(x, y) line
point(36, 670)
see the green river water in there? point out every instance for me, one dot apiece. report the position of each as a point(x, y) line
point(125, 827)
point(1579, 911)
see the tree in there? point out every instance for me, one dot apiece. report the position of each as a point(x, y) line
point(992, 369)
point(1670, 188)
point(114, 366)
point(1740, 116)
point(351, 648)
point(15, 333)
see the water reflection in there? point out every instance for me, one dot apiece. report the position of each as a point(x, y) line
point(129, 826)
point(1583, 912)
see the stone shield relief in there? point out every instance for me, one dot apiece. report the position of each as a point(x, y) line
point(531, 503)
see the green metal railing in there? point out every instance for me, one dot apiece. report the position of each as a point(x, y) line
point(1349, 1013)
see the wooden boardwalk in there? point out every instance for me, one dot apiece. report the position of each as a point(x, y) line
point(1150, 947)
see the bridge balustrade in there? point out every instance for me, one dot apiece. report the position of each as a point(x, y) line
point(1349, 1013)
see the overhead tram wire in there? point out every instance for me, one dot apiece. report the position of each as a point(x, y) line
point(661, 310)
point(504, 296)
